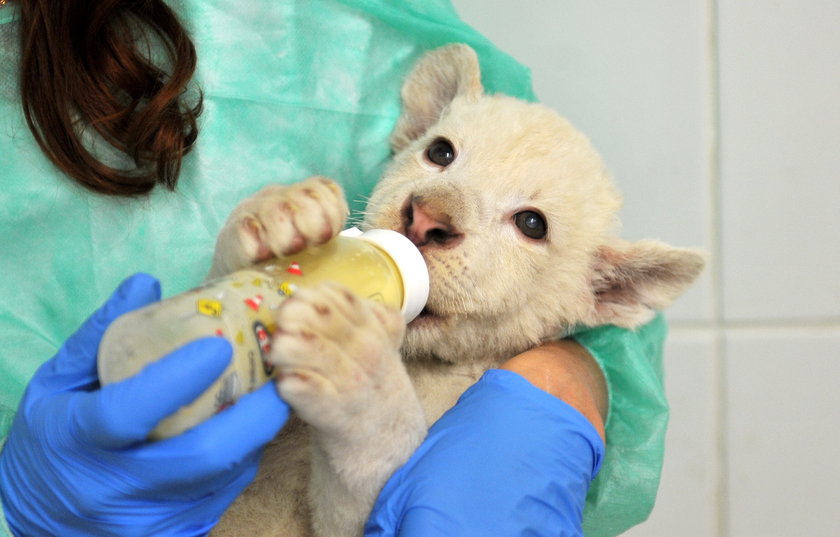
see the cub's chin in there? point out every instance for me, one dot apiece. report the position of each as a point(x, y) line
point(426, 335)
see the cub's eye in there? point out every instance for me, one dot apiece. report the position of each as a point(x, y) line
point(531, 223)
point(441, 152)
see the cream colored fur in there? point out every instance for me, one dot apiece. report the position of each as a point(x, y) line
point(362, 386)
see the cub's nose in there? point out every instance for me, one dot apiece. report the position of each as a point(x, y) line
point(427, 226)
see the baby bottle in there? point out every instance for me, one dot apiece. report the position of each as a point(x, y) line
point(379, 264)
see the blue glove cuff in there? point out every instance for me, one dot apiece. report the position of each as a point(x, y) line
point(508, 459)
point(4, 528)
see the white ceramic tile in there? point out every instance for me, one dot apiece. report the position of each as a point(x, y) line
point(783, 416)
point(780, 133)
point(635, 78)
point(687, 501)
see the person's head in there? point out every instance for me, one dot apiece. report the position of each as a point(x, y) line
point(87, 73)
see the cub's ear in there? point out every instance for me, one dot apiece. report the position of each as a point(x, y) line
point(439, 77)
point(631, 281)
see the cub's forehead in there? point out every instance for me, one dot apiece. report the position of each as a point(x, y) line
point(510, 132)
point(501, 117)
point(516, 153)
point(498, 136)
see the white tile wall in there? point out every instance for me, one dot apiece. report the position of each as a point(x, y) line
point(780, 158)
point(687, 501)
point(784, 411)
point(721, 122)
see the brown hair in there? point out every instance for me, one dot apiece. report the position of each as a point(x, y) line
point(88, 64)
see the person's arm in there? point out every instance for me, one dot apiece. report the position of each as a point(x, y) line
point(77, 462)
point(512, 457)
point(567, 371)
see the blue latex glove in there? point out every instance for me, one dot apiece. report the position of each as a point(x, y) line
point(77, 462)
point(509, 459)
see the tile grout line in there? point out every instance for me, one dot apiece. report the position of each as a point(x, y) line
point(776, 325)
point(716, 238)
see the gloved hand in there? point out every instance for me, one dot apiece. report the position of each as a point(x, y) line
point(508, 459)
point(77, 462)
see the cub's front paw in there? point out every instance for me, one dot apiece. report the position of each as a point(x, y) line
point(280, 220)
point(337, 358)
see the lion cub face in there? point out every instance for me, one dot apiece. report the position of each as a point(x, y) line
point(515, 215)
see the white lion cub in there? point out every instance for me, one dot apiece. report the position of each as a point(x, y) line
point(515, 215)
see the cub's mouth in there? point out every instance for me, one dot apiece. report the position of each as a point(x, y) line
point(426, 317)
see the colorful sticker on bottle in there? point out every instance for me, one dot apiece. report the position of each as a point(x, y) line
point(294, 268)
point(228, 392)
point(208, 307)
point(264, 343)
point(287, 288)
point(254, 302)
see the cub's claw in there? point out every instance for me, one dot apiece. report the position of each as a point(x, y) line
point(335, 354)
point(280, 220)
